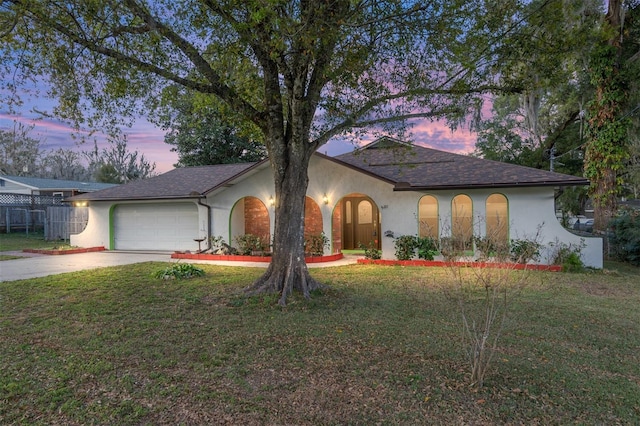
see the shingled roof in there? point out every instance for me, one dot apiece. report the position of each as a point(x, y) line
point(408, 167)
point(184, 182)
point(56, 184)
point(411, 167)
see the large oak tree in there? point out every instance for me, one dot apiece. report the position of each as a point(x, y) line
point(301, 72)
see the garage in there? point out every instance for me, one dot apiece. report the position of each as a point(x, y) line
point(166, 226)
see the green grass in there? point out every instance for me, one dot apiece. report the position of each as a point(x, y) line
point(20, 241)
point(380, 346)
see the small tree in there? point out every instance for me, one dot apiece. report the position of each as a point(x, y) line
point(484, 297)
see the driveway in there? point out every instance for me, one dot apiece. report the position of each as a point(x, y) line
point(39, 265)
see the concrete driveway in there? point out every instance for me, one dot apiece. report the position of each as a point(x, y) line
point(39, 265)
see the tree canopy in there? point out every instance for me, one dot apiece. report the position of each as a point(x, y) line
point(202, 132)
point(301, 72)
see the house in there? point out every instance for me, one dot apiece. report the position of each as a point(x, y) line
point(47, 187)
point(367, 197)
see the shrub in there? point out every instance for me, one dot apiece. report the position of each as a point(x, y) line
point(405, 246)
point(179, 271)
point(315, 244)
point(249, 243)
point(427, 247)
point(489, 247)
point(567, 255)
point(216, 243)
point(451, 247)
point(625, 237)
point(524, 251)
point(371, 252)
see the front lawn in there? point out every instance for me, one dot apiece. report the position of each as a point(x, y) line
point(381, 346)
point(18, 241)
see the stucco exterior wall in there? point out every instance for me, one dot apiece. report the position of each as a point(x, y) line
point(531, 210)
point(97, 232)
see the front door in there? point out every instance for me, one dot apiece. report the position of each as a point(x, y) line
point(361, 223)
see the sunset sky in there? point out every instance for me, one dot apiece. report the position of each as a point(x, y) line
point(149, 139)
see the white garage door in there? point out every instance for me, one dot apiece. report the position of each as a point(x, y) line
point(156, 226)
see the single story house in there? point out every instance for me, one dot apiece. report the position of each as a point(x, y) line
point(49, 187)
point(366, 197)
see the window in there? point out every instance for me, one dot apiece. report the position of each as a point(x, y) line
point(462, 222)
point(365, 213)
point(497, 218)
point(428, 217)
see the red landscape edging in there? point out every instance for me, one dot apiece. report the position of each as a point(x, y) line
point(239, 258)
point(67, 251)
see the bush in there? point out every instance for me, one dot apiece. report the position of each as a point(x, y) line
point(179, 271)
point(427, 247)
point(524, 251)
point(405, 246)
point(315, 244)
point(488, 247)
point(371, 252)
point(248, 243)
point(451, 247)
point(567, 255)
point(216, 243)
point(625, 237)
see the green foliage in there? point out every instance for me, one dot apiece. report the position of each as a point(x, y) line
point(202, 134)
point(625, 237)
point(315, 244)
point(249, 243)
point(117, 164)
point(371, 251)
point(524, 251)
point(179, 271)
point(407, 246)
point(568, 255)
point(427, 248)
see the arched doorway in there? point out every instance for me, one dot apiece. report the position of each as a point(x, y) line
point(250, 216)
point(359, 221)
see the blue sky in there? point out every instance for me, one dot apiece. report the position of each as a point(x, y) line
point(148, 139)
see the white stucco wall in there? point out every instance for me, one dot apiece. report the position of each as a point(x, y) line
point(97, 231)
point(530, 209)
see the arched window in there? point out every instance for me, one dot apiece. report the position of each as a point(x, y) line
point(428, 217)
point(462, 222)
point(497, 218)
point(365, 212)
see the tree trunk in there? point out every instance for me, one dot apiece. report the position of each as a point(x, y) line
point(288, 270)
point(607, 149)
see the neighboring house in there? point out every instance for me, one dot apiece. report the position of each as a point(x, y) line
point(51, 187)
point(367, 197)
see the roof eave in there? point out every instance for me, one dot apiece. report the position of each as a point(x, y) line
point(400, 187)
point(233, 179)
point(158, 198)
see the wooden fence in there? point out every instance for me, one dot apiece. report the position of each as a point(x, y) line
point(28, 213)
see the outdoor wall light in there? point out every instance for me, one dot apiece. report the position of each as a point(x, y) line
point(272, 201)
point(325, 199)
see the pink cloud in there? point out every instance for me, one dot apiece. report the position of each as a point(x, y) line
point(438, 135)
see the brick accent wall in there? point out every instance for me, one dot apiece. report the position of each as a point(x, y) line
point(312, 218)
point(256, 219)
point(336, 233)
